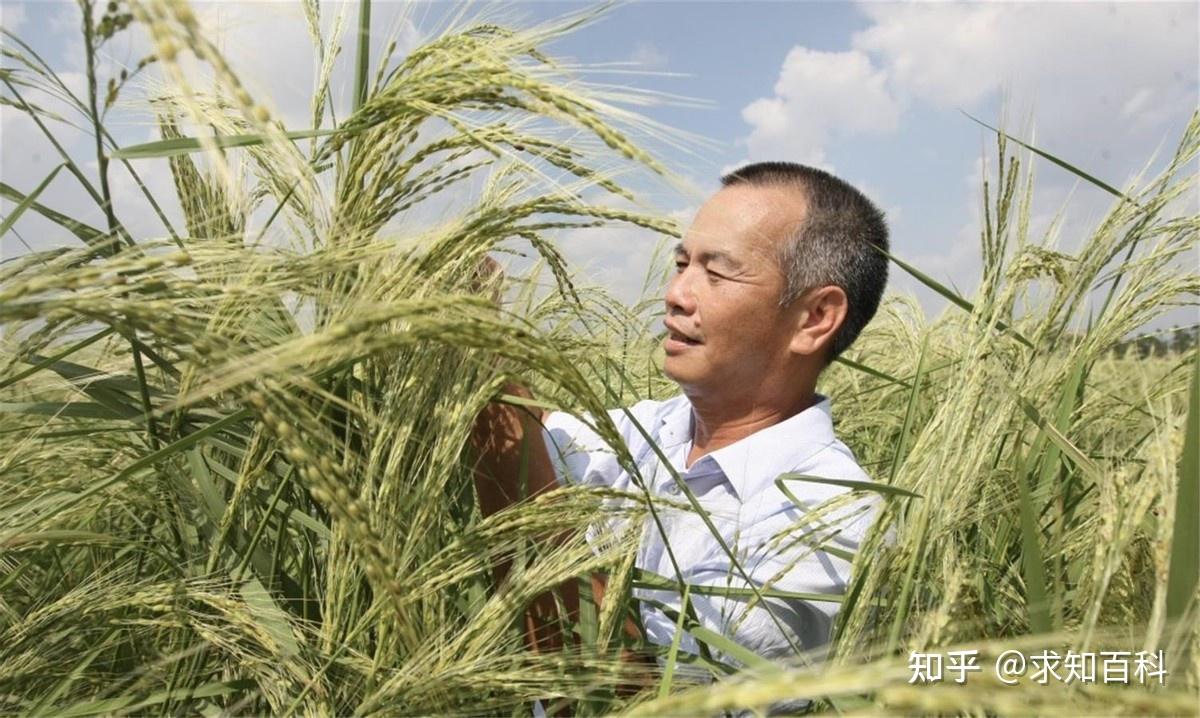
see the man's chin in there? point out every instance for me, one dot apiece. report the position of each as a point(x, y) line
point(669, 371)
point(676, 373)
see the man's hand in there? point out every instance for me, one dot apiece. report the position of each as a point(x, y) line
point(488, 279)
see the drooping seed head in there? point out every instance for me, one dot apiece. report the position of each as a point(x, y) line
point(167, 50)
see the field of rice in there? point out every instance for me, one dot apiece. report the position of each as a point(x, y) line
point(235, 458)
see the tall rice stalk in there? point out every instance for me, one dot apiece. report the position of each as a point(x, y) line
point(235, 462)
point(277, 515)
point(1056, 505)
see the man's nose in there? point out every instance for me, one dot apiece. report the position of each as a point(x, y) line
point(679, 295)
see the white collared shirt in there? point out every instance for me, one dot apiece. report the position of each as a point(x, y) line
point(737, 486)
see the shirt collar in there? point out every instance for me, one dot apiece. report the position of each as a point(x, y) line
point(754, 462)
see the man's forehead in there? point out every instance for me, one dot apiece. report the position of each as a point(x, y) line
point(743, 218)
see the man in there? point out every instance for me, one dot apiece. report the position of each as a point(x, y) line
point(777, 275)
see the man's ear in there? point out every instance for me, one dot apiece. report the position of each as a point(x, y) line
point(820, 312)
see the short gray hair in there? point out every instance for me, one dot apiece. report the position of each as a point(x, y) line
point(837, 242)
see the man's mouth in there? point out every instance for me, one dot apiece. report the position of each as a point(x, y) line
point(677, 340)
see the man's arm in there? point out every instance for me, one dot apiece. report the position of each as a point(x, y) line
point(499, 433)
point(504, 437)
point(497, 436)
point(501, 429)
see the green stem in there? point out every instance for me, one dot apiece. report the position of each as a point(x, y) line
point(106, 205)
point(364, 53)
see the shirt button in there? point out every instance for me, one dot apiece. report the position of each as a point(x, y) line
point(672, 489)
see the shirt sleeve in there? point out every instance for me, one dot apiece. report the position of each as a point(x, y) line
point(578, 454)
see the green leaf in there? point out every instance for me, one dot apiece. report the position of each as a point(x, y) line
point(44, 363)
point(26, 203)
point(589, 622)
point(515, 400)
point(725, 645)
point(130, 702)
point(76, 673)
point(71, 409)
point(137, 466)
point(105, 389)
point(1031, 553)
point(657, 582)
point(85, 376)
point(211, 499)
point(1061, 163)
point(1185, 535)
point(910, 412)
point(1072, 452)
point(664, 687)
point(1046, 484)
point(885, 489)
point(60, 536)
point(32, 108)
point(363, 57)
point(858, 366)
point(270, 617)
point(87, 233)
point(911, 579)
point(185, 145)
point(951, 295)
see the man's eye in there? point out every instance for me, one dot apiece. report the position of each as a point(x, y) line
point(680, 266)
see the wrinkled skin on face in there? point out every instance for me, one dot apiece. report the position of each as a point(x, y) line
point(727, 334)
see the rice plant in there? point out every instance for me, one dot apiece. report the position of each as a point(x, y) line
point(236, 458)
point(1057, 484)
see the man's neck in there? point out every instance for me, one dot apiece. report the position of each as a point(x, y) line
point(719, 422)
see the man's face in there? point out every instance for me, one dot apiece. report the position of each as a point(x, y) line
point(726, 330)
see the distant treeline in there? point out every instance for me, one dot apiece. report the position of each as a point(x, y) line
point(1176, 340)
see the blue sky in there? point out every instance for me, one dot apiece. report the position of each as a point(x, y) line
point(872, 91)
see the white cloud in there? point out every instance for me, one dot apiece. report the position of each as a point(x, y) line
point(268, 47)
point(1102, 84)
point(1088, 69)
point(267, 44)
point(957, 54)
point(12, 15)
point(647, 55)
point(26, 159)
point(26, 153)
point(819, 97)
point(1092, 73)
